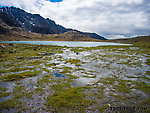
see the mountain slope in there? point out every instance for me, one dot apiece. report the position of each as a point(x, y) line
point(35, 23)
point(8, 33)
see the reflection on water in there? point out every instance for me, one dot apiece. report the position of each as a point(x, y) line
point(82, 81)
point(58, 75)
point(65, 43)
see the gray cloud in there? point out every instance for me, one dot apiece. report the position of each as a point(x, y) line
point(110, 18)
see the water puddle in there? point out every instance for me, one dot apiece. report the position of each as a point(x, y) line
point(59, 75)
point(5, 98)
point(82, 81)
point(134, 48)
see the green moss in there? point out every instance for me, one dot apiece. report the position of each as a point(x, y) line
point(103, 108)
point(77, 50)
point(148, 61)
point(67, 68)
point(78, 65)
point(19, 92)
point(123, 87)
point(3, 94)
point(12, 77)
point(3, 88)
point(71, 98)
point(35, 62)
point(50, 65)
point(146, 102)
point(108, 81)
point(12, 103)
point(89, 76)
point(73, 61)
point(17, 69)
point(47, 58)
point(45, 79)
point(142, 86)
point(40, 91)
point(61, 84)
point(79, 69)
point(65, 71)
point(147, 72)
point(71, 76)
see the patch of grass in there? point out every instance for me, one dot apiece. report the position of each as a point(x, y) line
point(14, 69)
point(65, 71)
point(71, 76)
point(3, 88)
point(61, 84)
point(3, 94)
point(35, 62)
point(147, 101)
point(49, 65)
point(103, 108)
point(142, 86)
point(108, 81)
point(147, 72)
point(17, 69)
point(12, 103)
point(148, 61)
point(40, 91)
point(46, 79)
point(74, 61)
point(71, 98)
point(89, 76)
point(19, 92)
point(12, 77)
point(77, 50)
point(78, 65)
point(123, 87)
point(79, 69)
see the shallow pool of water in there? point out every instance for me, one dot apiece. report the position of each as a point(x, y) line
point(65, 43)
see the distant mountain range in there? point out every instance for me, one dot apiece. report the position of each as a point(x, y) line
point(16, 17)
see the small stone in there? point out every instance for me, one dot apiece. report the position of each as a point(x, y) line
point(11, 44)
point(11, 52)
point(20, 58)
point(2, 46)
point(128, 96)
point(114, 94)
point(93, 82)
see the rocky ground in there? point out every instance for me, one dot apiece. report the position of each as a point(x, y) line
point(37, 78)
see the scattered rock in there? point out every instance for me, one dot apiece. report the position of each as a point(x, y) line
point(134, 48)
point(114, 94)
point(77, 53)
point(35, 57)
point(20, 58)
point(12, 44)
point(91, 76)
point(2, 46)
point(45, 53)
point(11, 51)
point(128, 96)
point(93, 82)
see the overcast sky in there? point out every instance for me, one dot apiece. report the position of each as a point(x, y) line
point(108, 18)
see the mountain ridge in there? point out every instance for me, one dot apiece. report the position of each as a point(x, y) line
point(16, 17)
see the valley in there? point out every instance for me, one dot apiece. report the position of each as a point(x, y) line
point(42, 78)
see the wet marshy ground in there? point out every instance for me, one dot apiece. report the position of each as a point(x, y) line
point(37, 78)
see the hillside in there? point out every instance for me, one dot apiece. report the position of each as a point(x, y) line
point(8, 33)
point(142, 41)
point(16, 17)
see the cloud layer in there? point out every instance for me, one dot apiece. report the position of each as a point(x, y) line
point(109, 18)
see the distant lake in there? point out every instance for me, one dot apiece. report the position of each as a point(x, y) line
point(65, 43)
